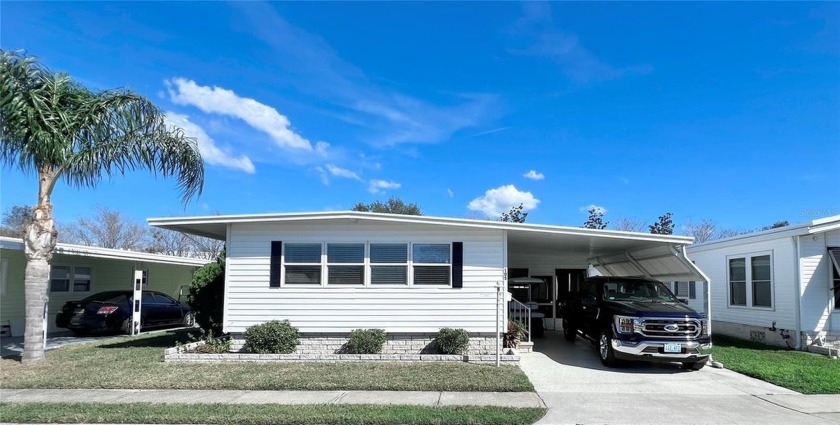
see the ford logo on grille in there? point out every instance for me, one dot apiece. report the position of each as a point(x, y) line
point(671, 327)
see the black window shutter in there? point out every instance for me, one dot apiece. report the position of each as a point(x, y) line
point(457, 264)
point(275, 265)
point(692, 291)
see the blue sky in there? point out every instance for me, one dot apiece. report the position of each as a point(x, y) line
point(722, 111)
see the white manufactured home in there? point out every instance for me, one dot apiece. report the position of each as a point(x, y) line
point(329, 273)
point(79, 271)
point(779, 286)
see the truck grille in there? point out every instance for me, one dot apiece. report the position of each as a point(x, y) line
point(670, 328)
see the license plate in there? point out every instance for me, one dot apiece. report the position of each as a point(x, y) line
point(672, 347)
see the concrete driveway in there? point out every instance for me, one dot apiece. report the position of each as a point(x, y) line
point(578, 390)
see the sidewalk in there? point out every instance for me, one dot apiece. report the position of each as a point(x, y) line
point(416, 398)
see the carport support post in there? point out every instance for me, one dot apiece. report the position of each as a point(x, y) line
point(137, 304)
point(498, 332)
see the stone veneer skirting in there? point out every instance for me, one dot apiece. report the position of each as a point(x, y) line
point(332, 348)
point(397, 343)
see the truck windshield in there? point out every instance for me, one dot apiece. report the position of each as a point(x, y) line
point(637, 291)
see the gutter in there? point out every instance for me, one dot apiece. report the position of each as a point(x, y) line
point(797, 285)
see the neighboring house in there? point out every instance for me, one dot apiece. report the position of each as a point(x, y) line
point(332, 272)
point(79, 271)
point(783, 281)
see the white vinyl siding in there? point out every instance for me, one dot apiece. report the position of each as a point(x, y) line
point(750, 280)
point(818, 313)
point(343, 308)
point(715, 263)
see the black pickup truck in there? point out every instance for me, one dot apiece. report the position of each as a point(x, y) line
point(636, 319)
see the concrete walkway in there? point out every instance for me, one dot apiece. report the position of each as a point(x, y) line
point(417, 398)
point(577, 390)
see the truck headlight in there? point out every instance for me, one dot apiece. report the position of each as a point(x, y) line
point(624, 324)
point(704, 327)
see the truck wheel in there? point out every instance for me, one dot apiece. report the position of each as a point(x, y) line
point(605, 349)
point(569, 331)
point(694, 365)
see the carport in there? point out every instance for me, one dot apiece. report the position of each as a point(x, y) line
point(563, 256)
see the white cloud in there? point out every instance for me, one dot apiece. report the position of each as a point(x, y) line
point(218, 100)
point(534, 175)
point(450, 193)
point(211, 153)
point(502, 199)
point(342, 172)
point(380, 186)
point(386, 117)
point(597, 208)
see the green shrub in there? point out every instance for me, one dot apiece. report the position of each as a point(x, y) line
point(366, 341)
point(207, 292)
point(212, 344)
point(274, 337)
point(452, 341)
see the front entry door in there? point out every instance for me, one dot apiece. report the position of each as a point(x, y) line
point(568, 281)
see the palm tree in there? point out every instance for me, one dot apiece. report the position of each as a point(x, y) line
point(57, 129)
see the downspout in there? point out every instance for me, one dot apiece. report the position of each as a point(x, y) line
point(797, 285)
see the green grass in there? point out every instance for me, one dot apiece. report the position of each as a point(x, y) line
point(258, 414)
point(138, 364)
point(800, 371)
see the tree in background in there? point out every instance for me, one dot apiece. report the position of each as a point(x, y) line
point(596, 219)
point(169, 242)
point(207, 292)
point(515, 215)
point(55, 128)
point(15, 221)
point(107, 229)
point(392, 206)
point(776, 225)
point(628, 224)
point(664, 226)
point(702, 231)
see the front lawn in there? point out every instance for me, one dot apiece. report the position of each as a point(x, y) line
point(138, 364)
point(800, 371)
point(268, 414)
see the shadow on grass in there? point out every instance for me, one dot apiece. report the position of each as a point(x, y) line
point(167, 339)
point(728, 341)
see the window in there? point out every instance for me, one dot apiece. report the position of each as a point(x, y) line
point(737, 281)
point(681, 289)
point(388, 264)
point(346, 264)
point(431, 264)
point(70, 278)
point(751, 281)
point(303, 263)
point(834, 259)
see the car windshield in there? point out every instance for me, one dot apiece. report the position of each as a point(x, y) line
point(637, 291)
point(115, 297)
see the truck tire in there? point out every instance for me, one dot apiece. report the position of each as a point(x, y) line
point(694, 365)
point(569, 330)
point(605, 349)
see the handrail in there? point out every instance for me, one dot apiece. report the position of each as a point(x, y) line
point(520, 311)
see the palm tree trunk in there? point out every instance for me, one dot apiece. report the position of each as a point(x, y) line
point(39, 243)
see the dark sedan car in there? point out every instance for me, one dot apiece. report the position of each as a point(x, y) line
point(111, 312)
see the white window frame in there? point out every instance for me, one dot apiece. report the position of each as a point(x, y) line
point(412, 264)
point(371, 265)
point(72, 278)
point(326, 270)
point(368, 275)
point(321, 264)
point(748, 259)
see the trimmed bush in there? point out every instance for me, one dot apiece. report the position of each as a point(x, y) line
point(274, 337)
point(452, 341)
point(366, 341)
point(207, 292)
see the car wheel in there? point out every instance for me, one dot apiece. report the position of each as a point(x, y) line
point(605, 349)
point(694, 365)
point(189, 320)
point(126, 326)
point(569, 330)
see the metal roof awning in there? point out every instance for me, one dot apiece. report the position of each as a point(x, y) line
point(664, 262)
